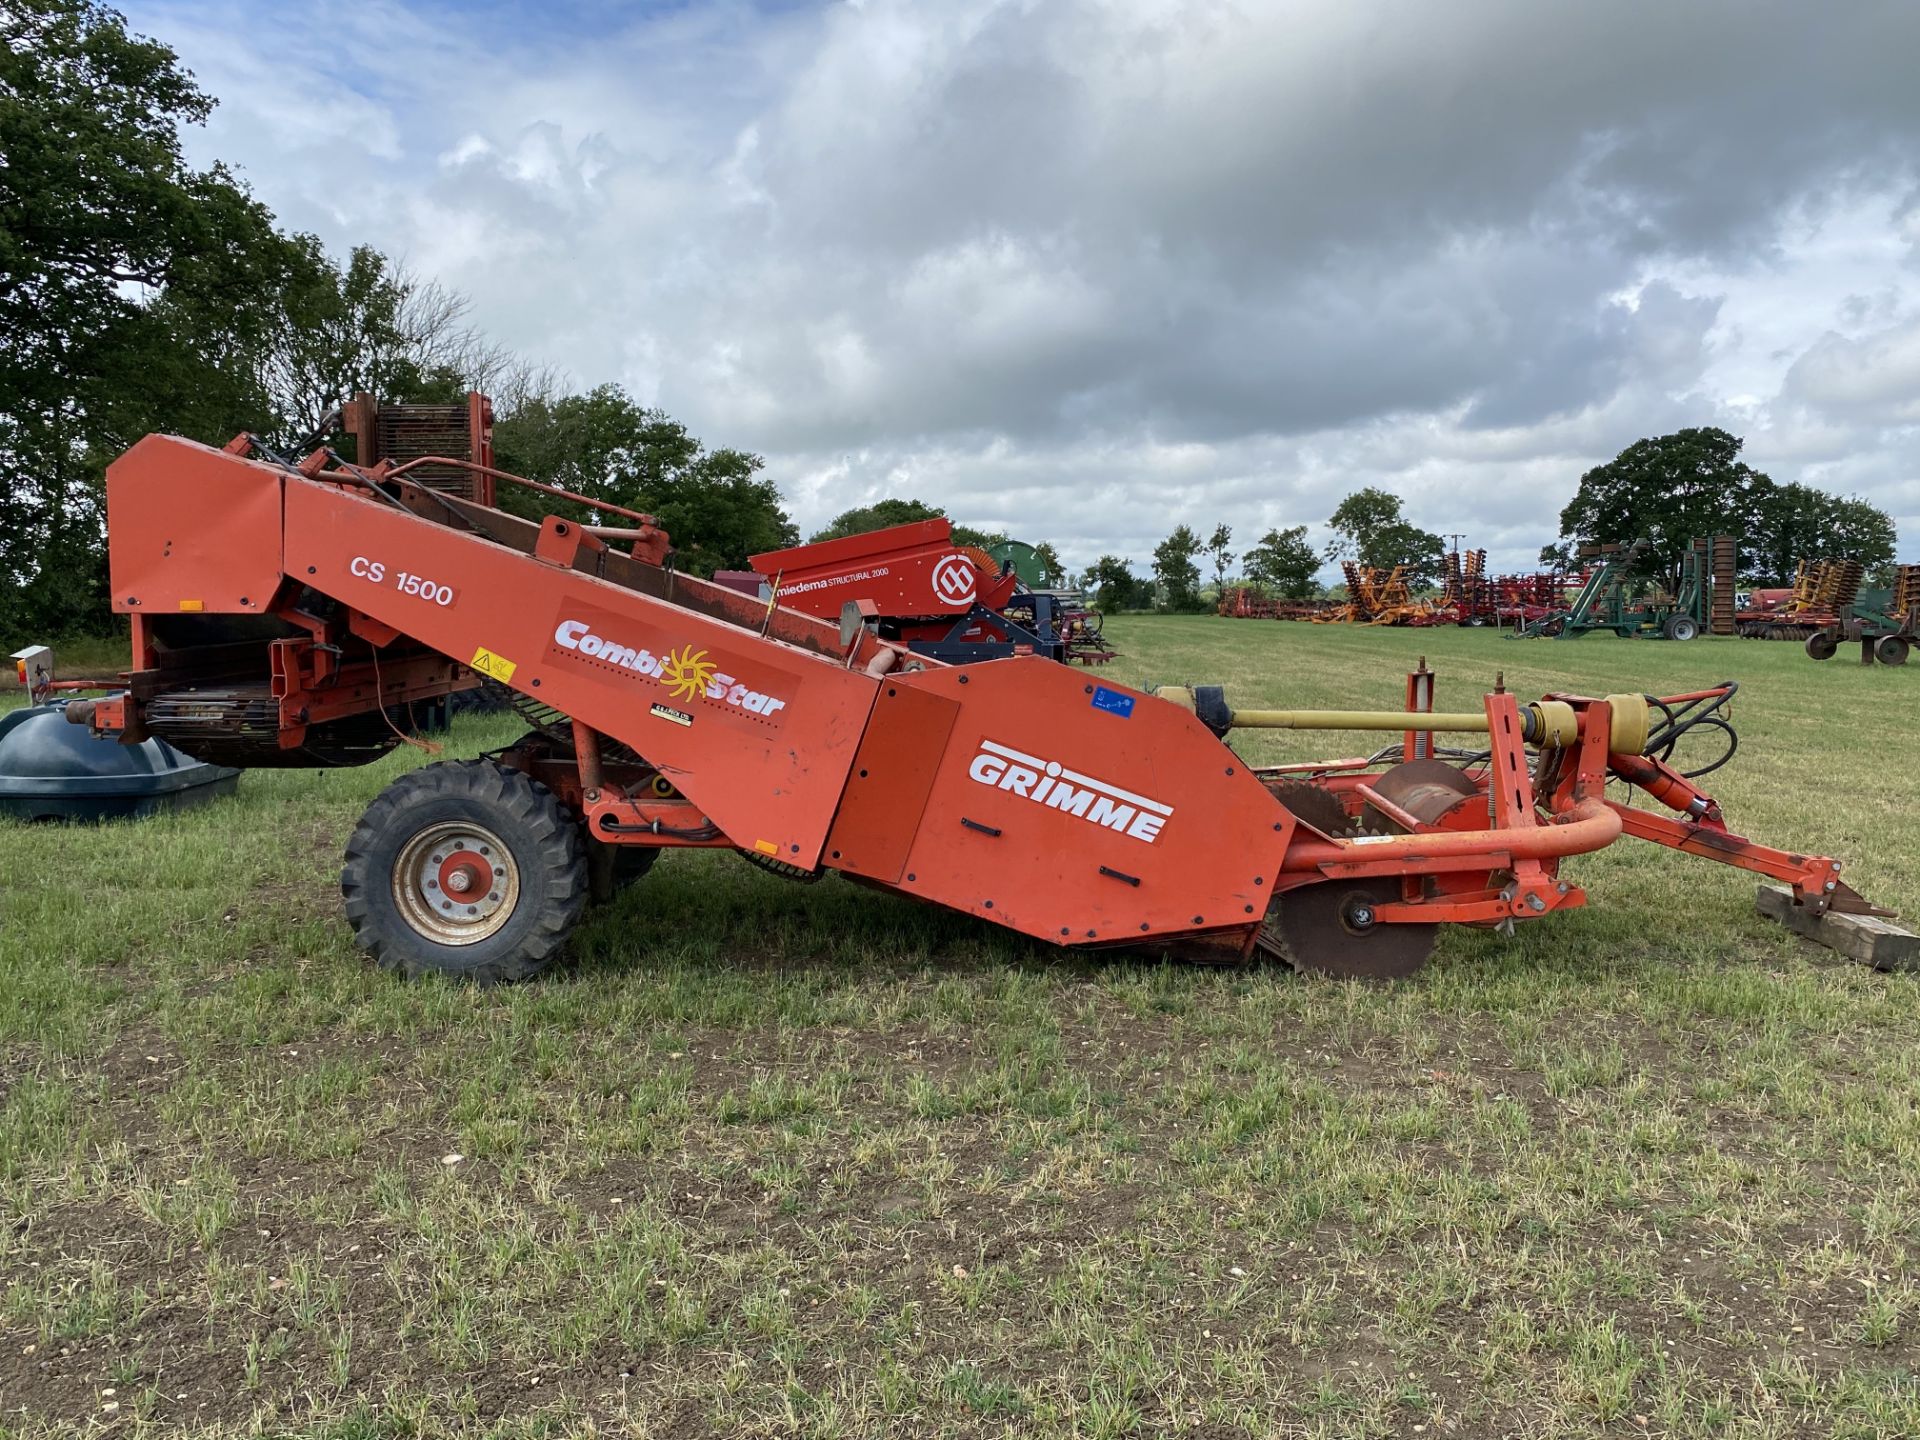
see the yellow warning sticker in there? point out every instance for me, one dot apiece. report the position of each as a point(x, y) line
point(496, 667)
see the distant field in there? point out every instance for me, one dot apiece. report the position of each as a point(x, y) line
point(769, 1159)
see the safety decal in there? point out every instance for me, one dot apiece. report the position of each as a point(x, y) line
point(1114, 702)
point(492, 665)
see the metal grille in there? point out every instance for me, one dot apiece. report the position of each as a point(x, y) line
point(406, 432)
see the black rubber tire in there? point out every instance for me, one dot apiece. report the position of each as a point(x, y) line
point(1891, 650)
point(542, 838)
point(1681, 627)
point(1821, 645)
point(612, 868)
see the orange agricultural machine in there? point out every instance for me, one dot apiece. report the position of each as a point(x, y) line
point(1379, 597)
point(281, 610)
point(1821, 593)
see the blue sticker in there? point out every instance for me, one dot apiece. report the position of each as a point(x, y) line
point(1114, 702)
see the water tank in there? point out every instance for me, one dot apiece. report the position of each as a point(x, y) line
point(53, 770)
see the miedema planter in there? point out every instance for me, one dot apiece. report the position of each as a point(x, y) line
point(282, 612)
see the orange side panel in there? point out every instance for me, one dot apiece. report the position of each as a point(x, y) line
point(892, 775)
point(192, 529)
point(1087, 814)
point(758, 734)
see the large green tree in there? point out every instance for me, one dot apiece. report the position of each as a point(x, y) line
point(884, 514)
point(140, 294)
point(714, 503)
point(1284, 563)
point(1175, 571)
point(1668, 491)
point(1795, 522)
point(1370, 529)
point(97, 209)
point(1050, 563)
point(1114, 586)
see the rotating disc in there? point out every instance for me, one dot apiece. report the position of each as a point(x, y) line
point(1425, 789)
point(1315, 806)
point(1328, 929)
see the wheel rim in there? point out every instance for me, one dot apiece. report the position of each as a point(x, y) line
point(456, 883)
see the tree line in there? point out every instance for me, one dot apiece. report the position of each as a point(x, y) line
point(1667, 491)
point(1673, 489)
point(1369, 527)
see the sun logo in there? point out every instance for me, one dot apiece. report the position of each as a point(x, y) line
point(687, 673)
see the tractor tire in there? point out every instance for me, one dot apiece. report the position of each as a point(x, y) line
point(1681, 627)
point(465, 869)
point(1821, 645)
point(1891, 650)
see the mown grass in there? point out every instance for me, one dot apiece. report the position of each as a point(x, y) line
point(771, 1159)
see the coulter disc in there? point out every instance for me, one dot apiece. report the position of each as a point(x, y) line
point(1425, 789)
point(1315, 806)
point(1328, 929)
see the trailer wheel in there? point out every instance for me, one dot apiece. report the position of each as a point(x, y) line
point(1890, 650)
point(467, 869)
point(1681, 627)
point(1821, 645)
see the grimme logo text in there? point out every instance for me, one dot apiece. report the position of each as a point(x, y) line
point(1049, 783)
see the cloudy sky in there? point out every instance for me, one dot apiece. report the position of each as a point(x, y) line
point(1086, 270)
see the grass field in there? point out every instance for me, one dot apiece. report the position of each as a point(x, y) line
point(767, 1159)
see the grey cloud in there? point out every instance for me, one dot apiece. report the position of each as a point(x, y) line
point(1872, 378)
point(1087, 269)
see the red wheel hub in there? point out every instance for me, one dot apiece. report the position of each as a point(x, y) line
point(464, 875)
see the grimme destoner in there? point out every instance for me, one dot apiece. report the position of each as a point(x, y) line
point(282, 612)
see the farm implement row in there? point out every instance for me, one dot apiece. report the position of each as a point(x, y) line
point(281, 610)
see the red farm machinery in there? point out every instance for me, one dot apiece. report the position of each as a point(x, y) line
point(940, 599)
point(281, 610)
point(1821, 592)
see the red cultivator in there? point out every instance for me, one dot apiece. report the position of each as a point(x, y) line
point(281, 612)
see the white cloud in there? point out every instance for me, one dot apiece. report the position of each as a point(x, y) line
point(1090, 269)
